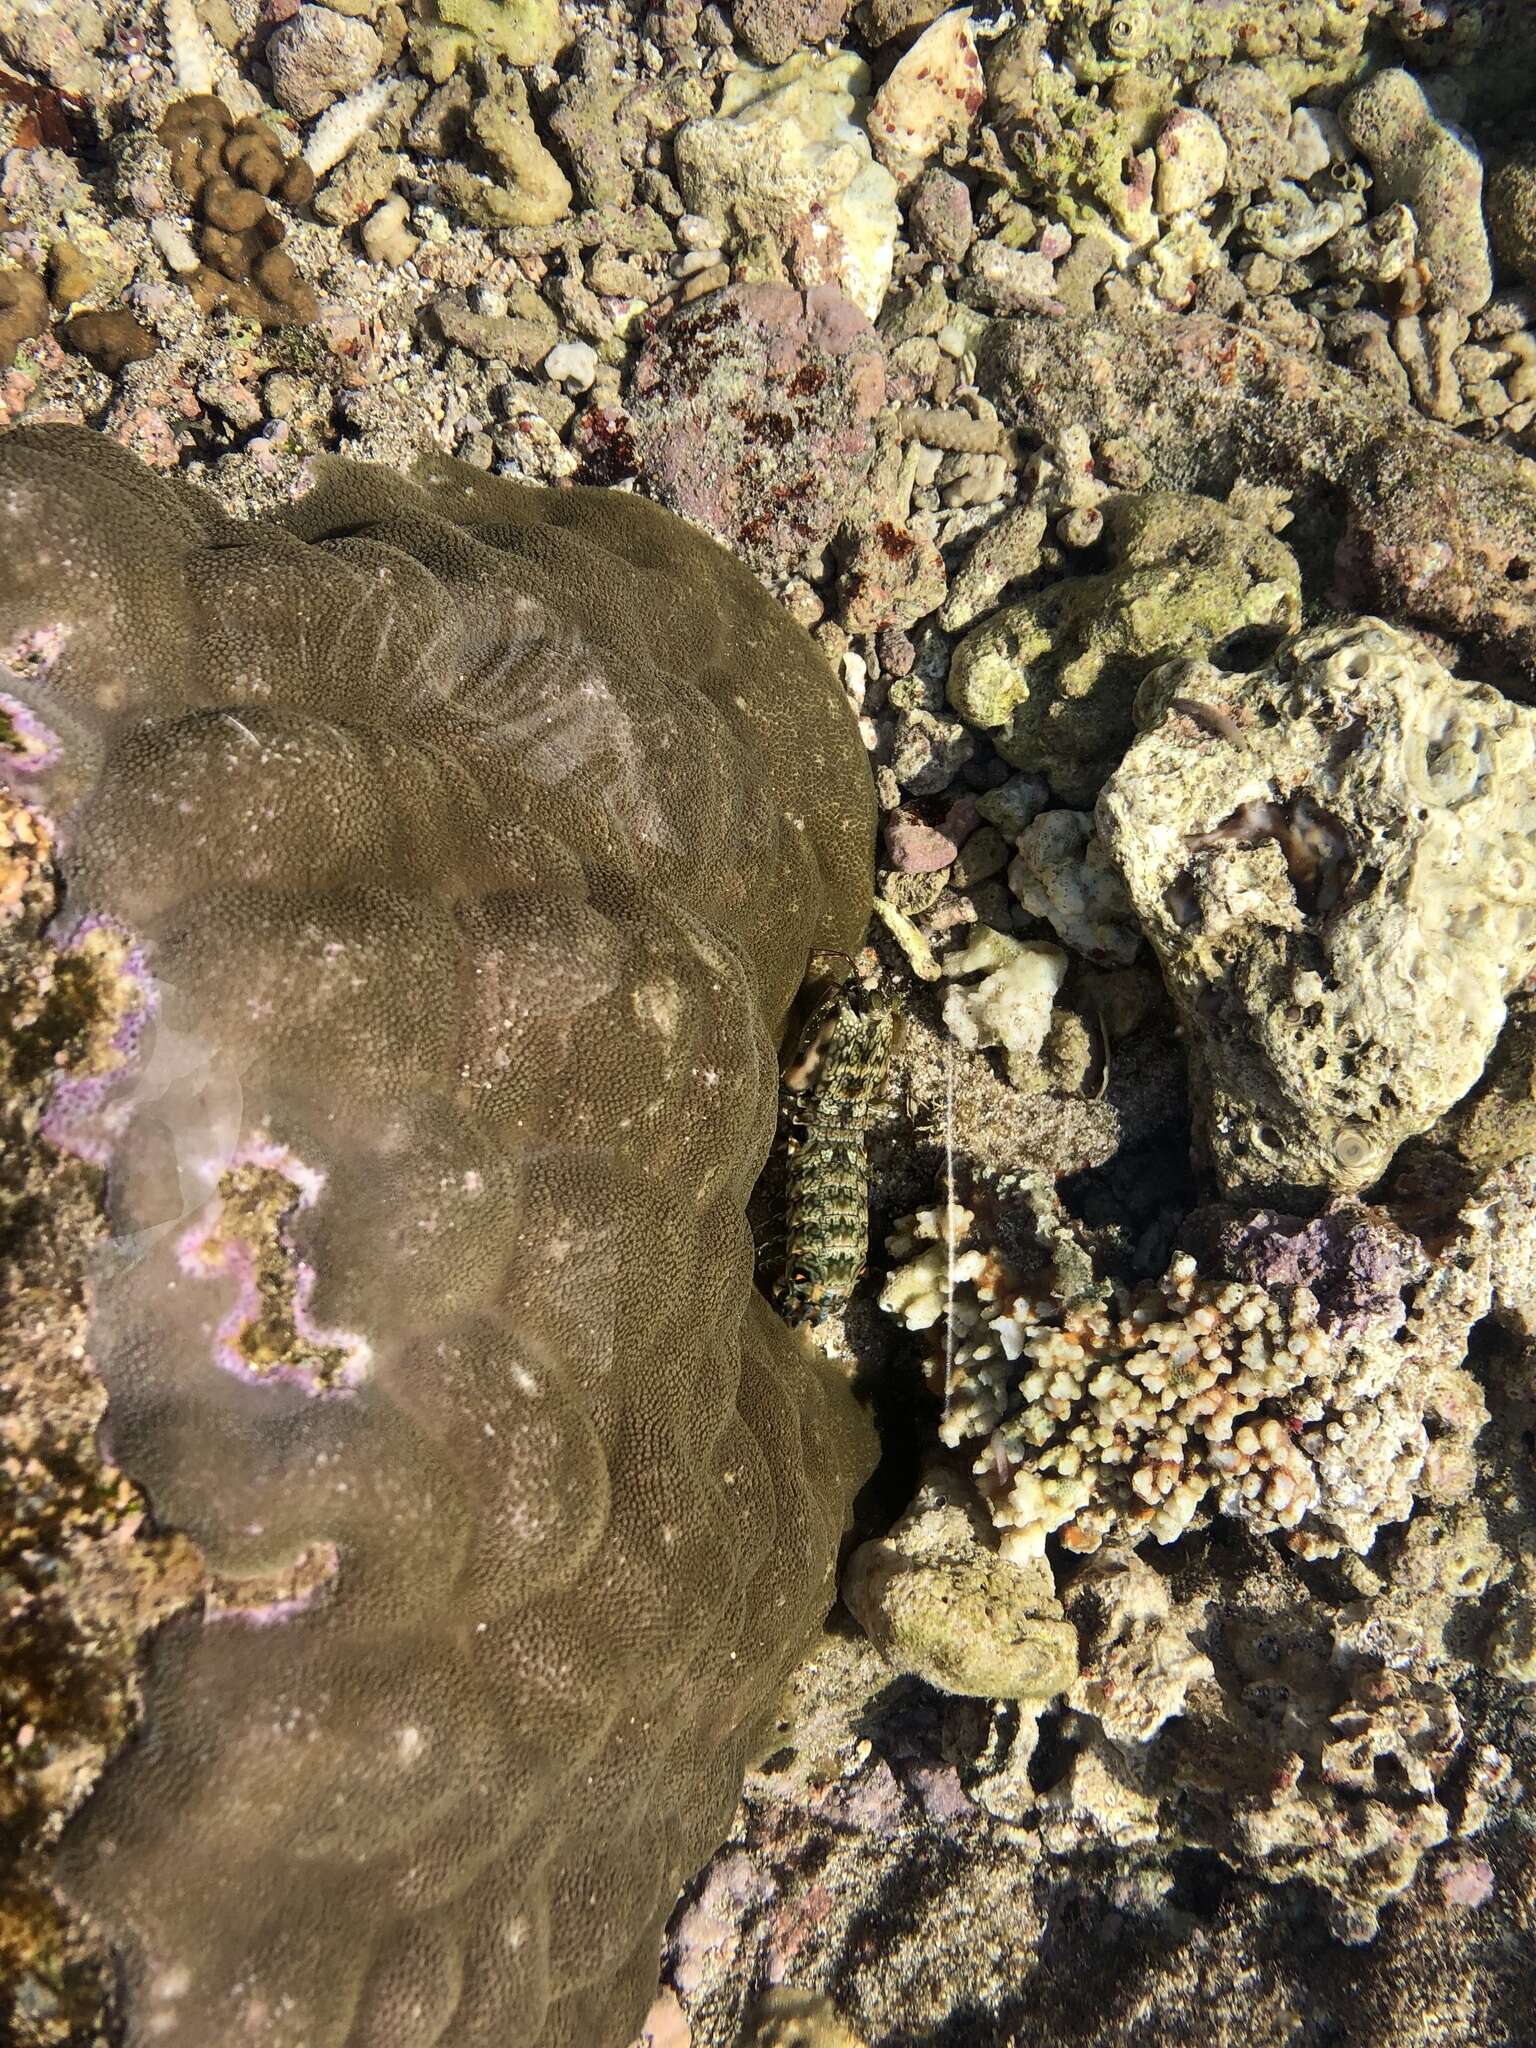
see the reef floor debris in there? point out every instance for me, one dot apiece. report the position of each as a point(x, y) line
point(1098, 384)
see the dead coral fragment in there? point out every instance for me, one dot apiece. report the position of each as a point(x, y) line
point(269, 1334)
point(1138, 1662)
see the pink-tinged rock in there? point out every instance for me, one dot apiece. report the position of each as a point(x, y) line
point(792, 1925)
point(896, 652)
point(914, 848)
point(1466, 1881)
point(930, 99)
point(733, 1885)
point(894, 577)
point(939, 1792)
point(144, 431)
point(751, 412)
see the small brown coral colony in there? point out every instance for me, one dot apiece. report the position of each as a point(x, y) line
point(229, 169)
point(467, 844)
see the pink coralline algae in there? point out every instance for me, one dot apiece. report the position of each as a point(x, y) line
point(752, 411)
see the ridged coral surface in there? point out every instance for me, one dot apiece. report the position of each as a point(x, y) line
point(462, 847)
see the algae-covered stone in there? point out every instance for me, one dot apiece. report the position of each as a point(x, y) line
point(785, 159)
point(1421, 161)
point(937, 1600)
point(1053, 676)
point(1334, 857)
point(1512, 213)
point(530, 190)
point(1298, 42)
point(1496, 1124)
point(521, 31)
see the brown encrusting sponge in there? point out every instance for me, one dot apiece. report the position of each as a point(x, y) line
point(463, 846)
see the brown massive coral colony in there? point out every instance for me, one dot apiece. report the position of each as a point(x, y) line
point(460, 848)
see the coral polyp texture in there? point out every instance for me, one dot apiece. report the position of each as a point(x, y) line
point(1334, 857)
point(459, 848)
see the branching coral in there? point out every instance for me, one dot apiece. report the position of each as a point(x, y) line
point(464, 847)
point(1282, 1378)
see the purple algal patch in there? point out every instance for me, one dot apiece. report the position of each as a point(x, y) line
point(35, 653)
point(209, 1251)
point(1354, 1260)
point(27, 745)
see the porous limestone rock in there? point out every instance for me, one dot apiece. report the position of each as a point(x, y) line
point(1053, 677)
point(937, 1600)
point(1137, 1660)
point(1334, 856)
point(784, 158)
point(317, 56)
point(1191, 161)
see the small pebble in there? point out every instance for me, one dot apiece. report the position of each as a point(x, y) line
point(695, 232)
point(939, 215)
point(386, 237)
point(1081, 527)
point(573, 363)
point(895, 650)
point(281, 393)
